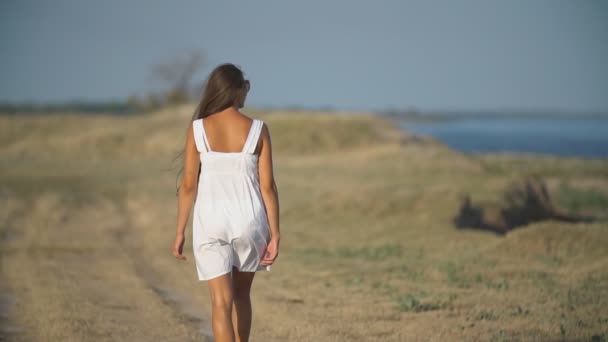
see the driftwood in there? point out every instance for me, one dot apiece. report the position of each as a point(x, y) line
point(523, 203)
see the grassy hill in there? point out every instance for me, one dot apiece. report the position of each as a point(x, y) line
point(369, 251)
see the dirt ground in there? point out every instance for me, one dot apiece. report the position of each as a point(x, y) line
point(368, 250)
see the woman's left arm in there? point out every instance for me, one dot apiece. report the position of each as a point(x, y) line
point(186, 193)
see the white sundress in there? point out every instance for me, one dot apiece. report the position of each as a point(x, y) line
point(230, 224)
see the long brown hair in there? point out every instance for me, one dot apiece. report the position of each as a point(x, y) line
point(225, 87)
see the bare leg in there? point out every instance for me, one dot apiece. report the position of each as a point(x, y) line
point(242, 311)
point(220, 289)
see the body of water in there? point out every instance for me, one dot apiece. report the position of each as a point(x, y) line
point(563, 136)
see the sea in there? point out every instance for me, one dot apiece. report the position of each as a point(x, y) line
point(571, 136)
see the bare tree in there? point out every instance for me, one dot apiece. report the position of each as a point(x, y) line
point(178, 73)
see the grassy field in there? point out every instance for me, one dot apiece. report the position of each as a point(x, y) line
point(368, 252)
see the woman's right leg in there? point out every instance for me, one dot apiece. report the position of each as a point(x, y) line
point(242, 310)
point(220, 289)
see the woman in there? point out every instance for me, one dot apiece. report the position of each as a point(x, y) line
point(228, 175)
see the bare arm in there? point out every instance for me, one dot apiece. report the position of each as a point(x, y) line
point(187, 192)
point(268, 185)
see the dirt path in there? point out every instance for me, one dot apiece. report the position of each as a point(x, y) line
point(68, 269)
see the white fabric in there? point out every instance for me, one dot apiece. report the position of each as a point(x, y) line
point(230, 225)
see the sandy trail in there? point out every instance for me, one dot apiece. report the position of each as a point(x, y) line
point(75, 277)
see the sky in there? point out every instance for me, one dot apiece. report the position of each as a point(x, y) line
point(346, 54)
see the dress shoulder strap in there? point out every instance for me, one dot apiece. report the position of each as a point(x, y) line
point(199, 136)
point(253, 137)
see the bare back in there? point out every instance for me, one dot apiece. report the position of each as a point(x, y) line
point(227, 130)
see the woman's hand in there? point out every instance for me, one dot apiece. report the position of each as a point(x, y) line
point(178, 247)
point(271, 252)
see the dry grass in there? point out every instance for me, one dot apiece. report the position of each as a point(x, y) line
point(368, 250)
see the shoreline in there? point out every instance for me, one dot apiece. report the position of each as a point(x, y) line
point(398, 122)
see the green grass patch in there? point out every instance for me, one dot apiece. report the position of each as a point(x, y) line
point(365, 253)
point(543, 281)
point(455, 274)
point(411, 303)
point(487, 315)
point(575, 200)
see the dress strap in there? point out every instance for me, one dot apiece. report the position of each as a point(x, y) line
point(253, 137)
point(200, 138)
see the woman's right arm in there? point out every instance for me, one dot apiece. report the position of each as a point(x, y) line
point(187, 192)
point(270, 195)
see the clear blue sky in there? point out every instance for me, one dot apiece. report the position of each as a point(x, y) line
point(456, 55)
